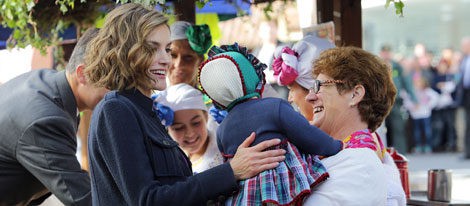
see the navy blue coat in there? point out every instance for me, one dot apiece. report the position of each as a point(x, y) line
point(133, 160)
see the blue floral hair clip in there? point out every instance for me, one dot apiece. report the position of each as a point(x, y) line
point(164, 113)
point(217, 114)
point(199, 38)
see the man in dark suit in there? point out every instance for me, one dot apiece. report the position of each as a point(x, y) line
point(38, 126)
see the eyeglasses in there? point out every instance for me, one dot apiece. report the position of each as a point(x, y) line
point(317, 83)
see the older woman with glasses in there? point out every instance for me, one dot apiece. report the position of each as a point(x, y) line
point(351, 95)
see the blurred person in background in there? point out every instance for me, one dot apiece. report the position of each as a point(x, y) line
point(443, 115)
point(426, 69)
point(420, 113)
point(465, 88)
point(395, 121)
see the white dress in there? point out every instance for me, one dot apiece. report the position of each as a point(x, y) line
point(212, 157)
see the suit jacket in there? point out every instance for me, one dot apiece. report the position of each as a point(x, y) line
point(38, 125)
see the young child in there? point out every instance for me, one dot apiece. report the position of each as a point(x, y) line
point(183, 111)
point(234, 80)
point(421, 114)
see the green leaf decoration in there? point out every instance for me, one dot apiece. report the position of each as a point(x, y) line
point(199, 38)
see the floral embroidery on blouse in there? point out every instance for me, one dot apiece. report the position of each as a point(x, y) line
point(364, 139)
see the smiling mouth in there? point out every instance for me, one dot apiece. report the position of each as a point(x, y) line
point(192, 141)
point(318, 109)
point(158, 71)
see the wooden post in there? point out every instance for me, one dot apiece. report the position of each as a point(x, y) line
point(324, 11)
point(185, 10)
point(347, 17)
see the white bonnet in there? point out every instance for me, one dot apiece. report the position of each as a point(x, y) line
point(178, 30)
point(308, 50)
point(181, 97)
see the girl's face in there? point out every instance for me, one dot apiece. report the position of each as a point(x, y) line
point(160, 39)
point(185, 63)
point(190, 131)
point(297, 96)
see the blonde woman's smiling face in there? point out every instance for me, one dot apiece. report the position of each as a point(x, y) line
point(159, 38)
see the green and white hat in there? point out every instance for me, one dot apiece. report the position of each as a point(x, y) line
point(231, 75)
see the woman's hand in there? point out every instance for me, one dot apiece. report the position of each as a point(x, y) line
point(249, 161)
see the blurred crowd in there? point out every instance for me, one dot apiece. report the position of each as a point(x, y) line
point(430, 90)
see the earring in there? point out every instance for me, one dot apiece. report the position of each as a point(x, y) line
point(352, 104)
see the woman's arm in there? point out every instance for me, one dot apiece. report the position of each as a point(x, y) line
point(249, 161)
point(304, 136)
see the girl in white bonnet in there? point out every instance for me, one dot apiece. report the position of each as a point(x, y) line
point(181, 108)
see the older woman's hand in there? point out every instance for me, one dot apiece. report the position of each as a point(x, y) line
point(249, 161)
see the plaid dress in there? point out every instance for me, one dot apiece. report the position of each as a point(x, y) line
point(287, 184)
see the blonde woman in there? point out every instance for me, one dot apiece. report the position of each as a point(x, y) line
point(133, 160)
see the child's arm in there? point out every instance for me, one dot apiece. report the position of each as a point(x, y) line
point(304, 136)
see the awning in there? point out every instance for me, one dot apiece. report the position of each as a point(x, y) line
point(67, 34)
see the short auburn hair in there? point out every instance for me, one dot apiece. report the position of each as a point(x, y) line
point(356, 66)
point(119, 56)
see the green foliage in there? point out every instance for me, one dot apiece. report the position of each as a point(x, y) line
point(201, 3)
point(16, 14)
point(38, 22)
point(398, 4)
point(143, 2)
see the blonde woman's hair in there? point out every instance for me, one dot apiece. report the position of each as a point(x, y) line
point(118, 58)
